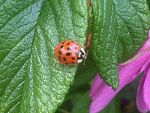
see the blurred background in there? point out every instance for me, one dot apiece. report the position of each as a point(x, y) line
point(78, 100)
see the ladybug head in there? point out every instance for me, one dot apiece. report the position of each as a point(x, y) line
point(82, 55)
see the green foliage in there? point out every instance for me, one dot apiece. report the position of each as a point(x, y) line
point(120, 28)
point(148, 2)
point(31, 80)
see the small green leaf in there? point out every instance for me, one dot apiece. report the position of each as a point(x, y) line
point(31, 81)
point(119, 29)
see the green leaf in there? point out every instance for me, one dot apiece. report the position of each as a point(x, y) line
point(31, 81)
point(105, 39)
point(119, 29)
point(133, 25)
point(81, 103)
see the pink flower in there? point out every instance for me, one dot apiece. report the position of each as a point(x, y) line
point(102, 94)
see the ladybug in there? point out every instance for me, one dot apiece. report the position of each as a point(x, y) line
point(69, 52)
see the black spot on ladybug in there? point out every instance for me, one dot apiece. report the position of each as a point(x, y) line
point(60, 52)
point(67, 54)
point(64, 58)
point(73, 58)
point(72, 62)
point(68, 43)
point(61, 46)
point(68, 48)
point(59, 57)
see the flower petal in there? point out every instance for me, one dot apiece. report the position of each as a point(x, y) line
point(102, 94)
point(97, 83)
point(143, 94)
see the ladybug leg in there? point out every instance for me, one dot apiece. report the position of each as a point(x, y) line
point(52, 59)
point(56, 65)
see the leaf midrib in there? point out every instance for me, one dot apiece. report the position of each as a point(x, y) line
point(35, 31)
point(29, 58)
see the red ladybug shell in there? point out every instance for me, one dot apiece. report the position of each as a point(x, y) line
point(67, 52)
